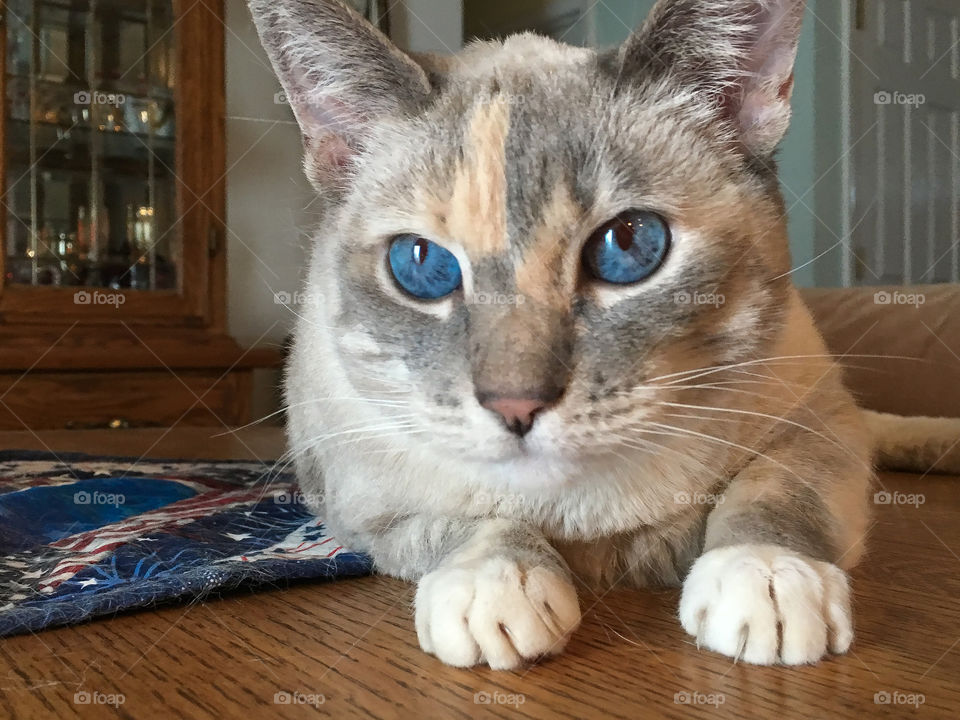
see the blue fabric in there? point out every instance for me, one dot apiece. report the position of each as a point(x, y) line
point(82, 536)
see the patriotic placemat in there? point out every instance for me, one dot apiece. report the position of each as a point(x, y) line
point(82, 536)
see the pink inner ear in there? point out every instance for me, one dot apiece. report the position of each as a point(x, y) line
point(327, 157)
point(331, 131)
point(786, 90)
point(767, 86)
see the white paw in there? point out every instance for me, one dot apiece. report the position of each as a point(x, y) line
point(766, 604)
point(495, 611)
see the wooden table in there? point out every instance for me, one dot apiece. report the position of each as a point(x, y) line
point(349, 648)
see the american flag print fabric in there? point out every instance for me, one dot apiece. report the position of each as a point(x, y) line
point(82, 537)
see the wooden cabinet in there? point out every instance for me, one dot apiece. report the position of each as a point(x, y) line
point(112, 234)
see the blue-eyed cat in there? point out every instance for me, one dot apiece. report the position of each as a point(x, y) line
point(559, 343)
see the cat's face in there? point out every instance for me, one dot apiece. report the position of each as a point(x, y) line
point(478, 279)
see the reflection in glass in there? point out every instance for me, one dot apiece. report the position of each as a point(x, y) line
point(90, 144)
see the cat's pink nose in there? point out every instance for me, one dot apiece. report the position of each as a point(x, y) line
point(517, 413)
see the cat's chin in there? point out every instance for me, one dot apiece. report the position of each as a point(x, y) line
point(515, 454)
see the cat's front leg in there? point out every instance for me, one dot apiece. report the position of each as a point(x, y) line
point(768, 588)
point(505, 597)
point(489, 590)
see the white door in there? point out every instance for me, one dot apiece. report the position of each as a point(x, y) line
point(905, 130)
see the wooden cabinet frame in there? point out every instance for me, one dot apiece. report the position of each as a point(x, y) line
point(43, 330)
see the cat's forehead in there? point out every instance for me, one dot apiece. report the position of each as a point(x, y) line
point(515, 168)
point(511, 193)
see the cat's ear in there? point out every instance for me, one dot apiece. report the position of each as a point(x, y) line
point(339, 73)
point(737, 54)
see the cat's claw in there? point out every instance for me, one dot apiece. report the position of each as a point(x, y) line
point(765, 605)
point(495, 611)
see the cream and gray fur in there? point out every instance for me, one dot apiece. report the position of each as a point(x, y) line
point(700, 433)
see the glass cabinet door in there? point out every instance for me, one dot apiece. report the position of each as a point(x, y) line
point(90, 132)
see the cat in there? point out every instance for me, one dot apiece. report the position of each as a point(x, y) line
point(559, 343)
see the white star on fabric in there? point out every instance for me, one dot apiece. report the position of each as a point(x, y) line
point(88, 583)
point(241, 536)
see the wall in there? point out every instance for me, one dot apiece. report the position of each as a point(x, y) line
point(427, 25)
point(797, 158)
point(268, 199)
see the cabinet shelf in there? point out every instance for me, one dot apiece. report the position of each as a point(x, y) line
point(76, 355)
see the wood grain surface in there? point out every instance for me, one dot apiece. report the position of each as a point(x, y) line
point(348, 649)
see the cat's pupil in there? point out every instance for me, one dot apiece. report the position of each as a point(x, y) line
point(420, 251)
point(622, 232)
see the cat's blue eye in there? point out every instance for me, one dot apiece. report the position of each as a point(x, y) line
point(628, 249)
point(424, 269)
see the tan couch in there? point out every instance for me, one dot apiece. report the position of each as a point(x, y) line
point(918, 368)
